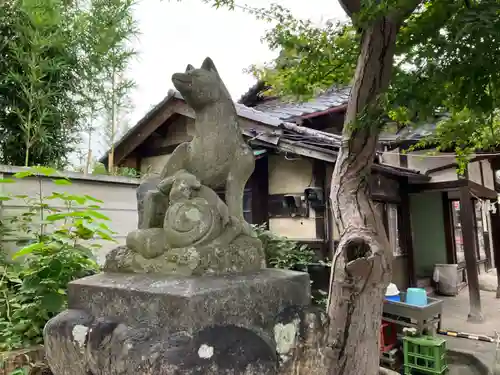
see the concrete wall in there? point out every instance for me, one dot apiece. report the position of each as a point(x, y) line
point(449, 174)
point(423, 161)
point(391, 157)
point(429, 243)
point(117, 193)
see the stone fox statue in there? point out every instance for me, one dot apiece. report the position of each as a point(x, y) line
point(217, 155)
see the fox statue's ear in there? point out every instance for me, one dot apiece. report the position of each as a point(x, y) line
point(208, 64)
point(189, 68)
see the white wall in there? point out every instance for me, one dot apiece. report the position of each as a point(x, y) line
point(117, 194)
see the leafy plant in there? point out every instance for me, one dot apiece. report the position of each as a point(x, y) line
point(58, 61)
point(127, 172)
point(281, 252)
point(100, 169)
point(54, 234)
point(284, 253)
point(38, 81)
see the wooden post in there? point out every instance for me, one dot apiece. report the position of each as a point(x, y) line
point(467, 217)
point(405, 232)
point(495, 232)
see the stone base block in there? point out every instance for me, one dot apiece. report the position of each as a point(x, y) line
point(130, 324)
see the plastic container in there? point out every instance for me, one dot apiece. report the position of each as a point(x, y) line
point(392, 293)
point(416, 297)
point(446, 278)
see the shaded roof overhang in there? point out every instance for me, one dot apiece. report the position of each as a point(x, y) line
point(475, 188)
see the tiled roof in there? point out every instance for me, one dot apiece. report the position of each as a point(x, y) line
point(287, 111)
point(291, 134)
point(410, 133)
point(334, 97)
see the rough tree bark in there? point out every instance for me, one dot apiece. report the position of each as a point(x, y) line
point(362, 264)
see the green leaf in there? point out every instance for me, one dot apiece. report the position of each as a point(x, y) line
point(20, 371)
point(28, 249)
point(97, 215)
point(64, 215)
point(53, 302)
point(90, 198)
point(58, 216)
point(45, 171)
point(105, 235)
point(55, 195)
point(76, 198)
point(23, 174)
point(62, 181)
point(7, 180)
point(56, 266)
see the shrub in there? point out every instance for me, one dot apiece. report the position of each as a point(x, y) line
point(281, 252)
point(56, 245)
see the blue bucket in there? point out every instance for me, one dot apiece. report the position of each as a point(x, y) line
point(396, 298)
point(416, 297)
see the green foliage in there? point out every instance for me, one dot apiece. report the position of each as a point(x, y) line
point(20, 371)
point(447, 55)
point(100, 169)
point(453, 50)
point(37, 85)
point(127, 172)
point(55, 54)
point(311, 58)
point(56, 235)
point(284, 253)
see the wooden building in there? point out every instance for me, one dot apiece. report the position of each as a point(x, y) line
point(432, 215)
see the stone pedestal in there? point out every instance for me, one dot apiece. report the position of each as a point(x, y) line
point(130, 324)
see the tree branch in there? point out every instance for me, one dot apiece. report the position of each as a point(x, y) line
point(350, 6)
point(404, 9)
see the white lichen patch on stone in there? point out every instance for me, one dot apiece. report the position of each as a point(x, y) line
point(284, 335)
point(79, 333)
point(205, 351)
point(193, 214)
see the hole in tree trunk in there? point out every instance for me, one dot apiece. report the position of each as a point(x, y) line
point(355, 249)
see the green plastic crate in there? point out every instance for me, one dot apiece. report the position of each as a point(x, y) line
point(425, 355)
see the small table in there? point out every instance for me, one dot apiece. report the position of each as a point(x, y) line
point(423, 318)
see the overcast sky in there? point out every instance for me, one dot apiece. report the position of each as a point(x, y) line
point(174, 34)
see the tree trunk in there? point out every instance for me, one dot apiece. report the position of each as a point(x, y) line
point(362, 264)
